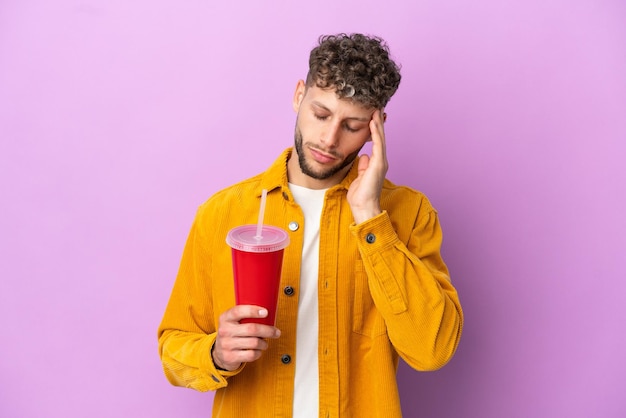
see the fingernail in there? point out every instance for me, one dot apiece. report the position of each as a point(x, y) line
point(277, 333)
point(262, 313)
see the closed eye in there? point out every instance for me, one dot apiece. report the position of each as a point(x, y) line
point(324, 117)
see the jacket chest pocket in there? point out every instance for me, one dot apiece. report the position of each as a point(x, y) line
point(366, 320)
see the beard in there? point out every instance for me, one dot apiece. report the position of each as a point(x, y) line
point(306, 168)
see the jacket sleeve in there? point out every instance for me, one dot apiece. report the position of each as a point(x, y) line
point(188, 329)
point(411, 288)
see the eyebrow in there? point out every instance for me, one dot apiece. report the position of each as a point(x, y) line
point(320, 105)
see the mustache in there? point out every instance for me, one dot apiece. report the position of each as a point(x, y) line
point(324, 151)
point(299, 138)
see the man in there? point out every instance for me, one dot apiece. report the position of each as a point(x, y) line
point(364, 282)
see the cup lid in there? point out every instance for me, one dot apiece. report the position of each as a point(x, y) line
point(243, 238)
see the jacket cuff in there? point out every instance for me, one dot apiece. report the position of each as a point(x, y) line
point(218, 376)
point(375, 234)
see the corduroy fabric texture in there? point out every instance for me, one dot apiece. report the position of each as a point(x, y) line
point(384, 292)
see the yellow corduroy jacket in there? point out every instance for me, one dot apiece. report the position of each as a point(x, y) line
point(384, 292)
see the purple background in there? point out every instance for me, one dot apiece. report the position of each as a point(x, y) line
point(118, 118)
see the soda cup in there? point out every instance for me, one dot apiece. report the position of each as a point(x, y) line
point(257, 264)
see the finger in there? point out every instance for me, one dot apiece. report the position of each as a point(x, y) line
point(364, 162)
point(258, 330)
point(381, 127)
point(239, 312)
point(242, 343)
point(251, 330)
point(378, 135)
point(230, 357)
point(258, 344)
point(377, 125)
point(244, 356)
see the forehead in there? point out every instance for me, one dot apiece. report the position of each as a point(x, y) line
point(328, 99)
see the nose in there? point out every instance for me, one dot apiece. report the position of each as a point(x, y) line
point(331, 137)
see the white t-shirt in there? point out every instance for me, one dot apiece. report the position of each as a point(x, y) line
point(306, 393)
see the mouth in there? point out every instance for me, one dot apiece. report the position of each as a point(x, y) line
point(321, 157)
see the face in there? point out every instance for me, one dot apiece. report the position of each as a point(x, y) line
point(329, 134)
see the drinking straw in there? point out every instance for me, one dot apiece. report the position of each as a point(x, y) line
point(259, 226)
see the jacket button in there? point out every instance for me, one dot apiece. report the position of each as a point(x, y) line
point(293, 226)
point(289, 291)
point(286, 359)
point(370, 238)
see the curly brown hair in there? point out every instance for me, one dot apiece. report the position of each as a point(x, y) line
point(357, 66)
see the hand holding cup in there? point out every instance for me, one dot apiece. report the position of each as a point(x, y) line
point(237, 342)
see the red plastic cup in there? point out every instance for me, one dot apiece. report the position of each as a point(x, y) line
point(257, 265)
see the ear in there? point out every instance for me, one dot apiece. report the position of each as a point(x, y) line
point(298, 95)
